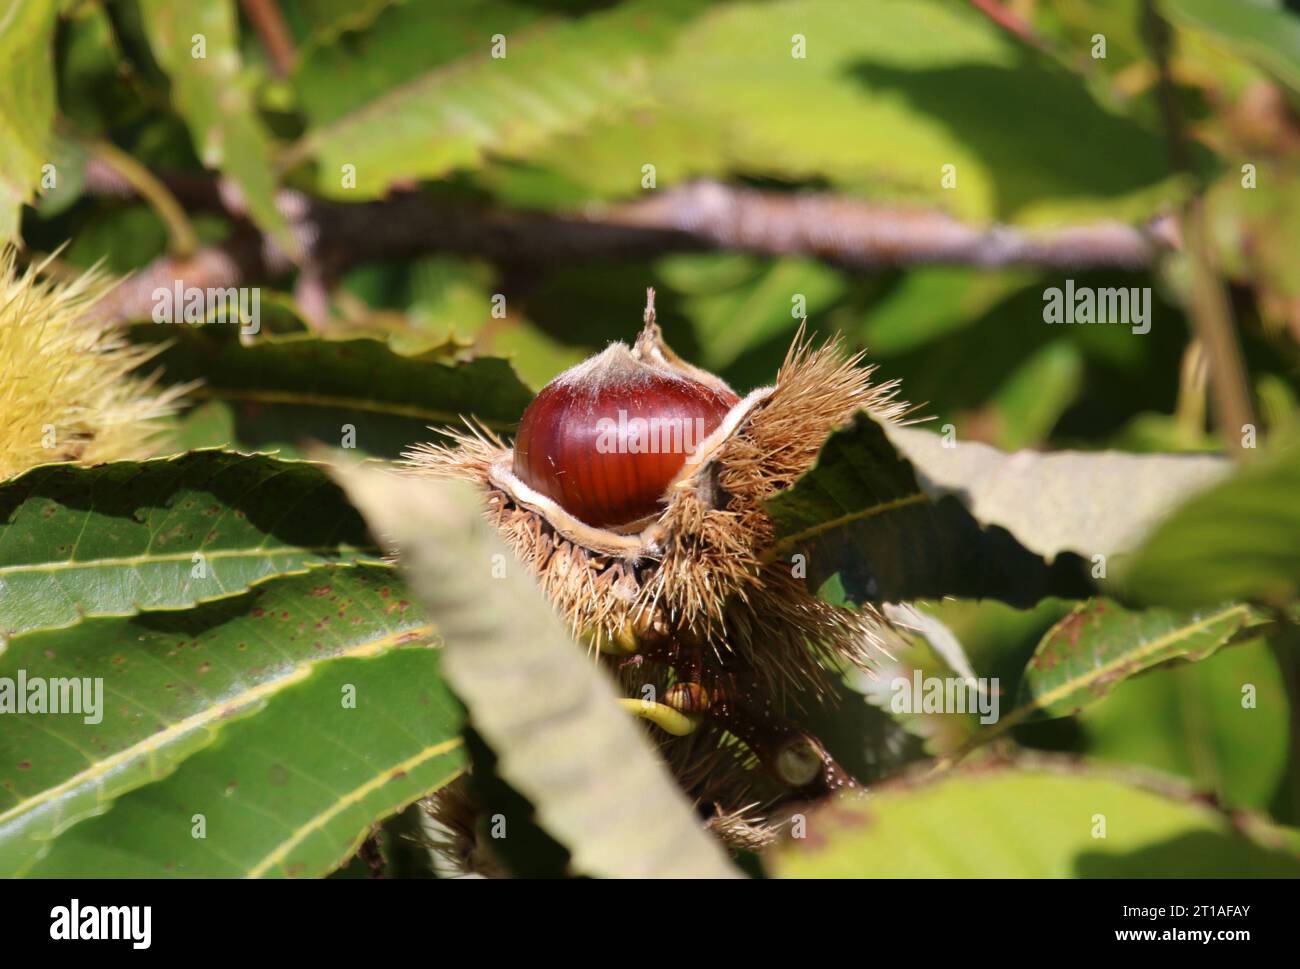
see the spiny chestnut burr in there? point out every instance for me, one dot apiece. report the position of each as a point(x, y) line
point(637, 492)
point(605, 439)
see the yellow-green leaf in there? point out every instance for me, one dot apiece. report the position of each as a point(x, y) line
point(1036, 820)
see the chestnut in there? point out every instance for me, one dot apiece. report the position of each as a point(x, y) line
point(605, 439)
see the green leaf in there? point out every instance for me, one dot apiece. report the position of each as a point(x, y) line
point(27, 103)
point(124, 238)
point(533, 694)
point(69, 160)
point(737, 301)
point(898, 515)
point(1238, 540)
point(928, 649)
point(280, 393)
point(94, 95)
point(878, 106)
point(1098, 645)
point(535, 355)
point(1032, 821)
point(1223, 724)
point(1037, 393)
point(386, 49)
point(328, 20)
point(1262, 31)
point(170, 681)
point(930, 302)
point(998, 639)
point(290, 792)
point(1089, 503)
point(861, 514)
point(212, 92)
point(554, 78)
point(163, 533)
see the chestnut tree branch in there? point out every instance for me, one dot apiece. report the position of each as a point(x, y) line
point(695, 216)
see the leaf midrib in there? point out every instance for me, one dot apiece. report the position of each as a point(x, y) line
point(391, 409)
point(355, 796)
point(407, 92)
point(208, 714)
point(183, 556)
point(859, 515)
point(1045, 700)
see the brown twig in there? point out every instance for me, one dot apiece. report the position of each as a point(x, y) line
point(1210, 311)
point(136, 178)
point(1009, 22)
point(697, 216)
point(862, 234)
point(1207, 303)
point(268, 21)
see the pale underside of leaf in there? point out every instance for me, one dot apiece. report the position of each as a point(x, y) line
point(1089, 503)
point(549, 714)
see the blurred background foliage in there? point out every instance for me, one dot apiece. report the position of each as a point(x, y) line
point(1041, 131)
point(588, 94)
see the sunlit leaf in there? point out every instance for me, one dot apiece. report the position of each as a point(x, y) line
point(290, 792)
point(1223, 724)
point(171, 681)
point(212, 93)
point(553, 78)
point(1238, 540)
point(27, 102)
point(1263, 31)
point(1031, 821)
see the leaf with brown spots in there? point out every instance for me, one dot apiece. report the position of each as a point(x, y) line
point(290, 792)
point(165, 533)
point(1085, 655)
point(183, 678)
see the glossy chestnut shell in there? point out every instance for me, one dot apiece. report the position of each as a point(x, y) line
point(605, 444)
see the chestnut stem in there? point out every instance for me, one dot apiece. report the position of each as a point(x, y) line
point(739, 704)
point(661, 715)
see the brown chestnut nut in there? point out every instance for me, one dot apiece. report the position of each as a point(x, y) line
point(605, 439)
